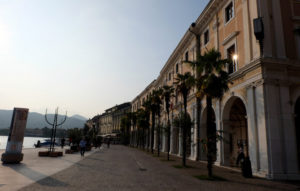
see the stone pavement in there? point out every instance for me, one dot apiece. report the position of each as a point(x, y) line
point(124, 168)
point(33, 168)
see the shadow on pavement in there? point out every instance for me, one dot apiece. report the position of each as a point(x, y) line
point(35, 175)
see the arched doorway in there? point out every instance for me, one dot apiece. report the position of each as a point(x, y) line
point(297, 127)
point(235, 131)
point(203, 133)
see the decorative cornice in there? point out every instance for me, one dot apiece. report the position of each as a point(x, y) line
point(230, 37)
point(246, 69)
point(145, 90)
point(201, 23)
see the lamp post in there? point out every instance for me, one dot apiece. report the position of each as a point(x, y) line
point(259, 32)
point(198, 100)
point(234, 58)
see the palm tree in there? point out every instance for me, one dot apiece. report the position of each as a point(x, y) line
point(213, 83)
point(184, 84)
point(157, 103)
point(167, 94)
point(143, 124)
point(132, 117)
point(147, 107)
point(153, 100)
point(125, 129)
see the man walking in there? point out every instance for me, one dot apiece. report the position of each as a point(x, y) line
point(82, 146)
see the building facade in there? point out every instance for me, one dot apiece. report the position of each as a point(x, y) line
point(261, 110)
point(110, 121)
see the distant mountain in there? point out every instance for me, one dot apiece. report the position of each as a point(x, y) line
point(37, 120)
point(79, 117)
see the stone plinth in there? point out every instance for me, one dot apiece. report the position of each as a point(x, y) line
point(12, 158)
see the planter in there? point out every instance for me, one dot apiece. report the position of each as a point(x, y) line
point(43, 153)
point(69, 151)
point(55, 154)
point(74, 148)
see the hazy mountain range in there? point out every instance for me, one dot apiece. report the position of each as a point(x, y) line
point(37, 120)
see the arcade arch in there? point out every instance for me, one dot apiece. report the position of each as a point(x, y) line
point(235, 130)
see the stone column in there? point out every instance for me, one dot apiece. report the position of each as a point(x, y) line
point(280, 132)
point(218, 128)
point(252, 129)
point(262, 129)
point(287, 121)
point(180, 143)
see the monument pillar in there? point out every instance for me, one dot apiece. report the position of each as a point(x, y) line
point(13, 153)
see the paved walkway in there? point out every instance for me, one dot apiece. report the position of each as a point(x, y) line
point(33, 168)
point(124, 168)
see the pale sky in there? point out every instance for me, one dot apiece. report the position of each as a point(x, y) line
point(85, 56)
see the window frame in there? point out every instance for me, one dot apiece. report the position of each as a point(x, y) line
point(228, 46)
point(186, 55)
point(233, 10)
point(206, 31)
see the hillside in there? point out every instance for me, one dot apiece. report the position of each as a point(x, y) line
point(37, 120)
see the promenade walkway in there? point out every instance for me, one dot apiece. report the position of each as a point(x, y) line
point(124, 168)
point(33, 168)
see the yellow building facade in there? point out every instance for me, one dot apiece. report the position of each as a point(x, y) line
point(261, 110)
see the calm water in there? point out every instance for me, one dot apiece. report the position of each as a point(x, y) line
point(28, 141)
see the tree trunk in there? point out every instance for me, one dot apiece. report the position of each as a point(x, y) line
point(198, 100)
point(198, 118)
point(143, 139)
point(210, 136)
point(152, 132)
point(158, 135)
point(184, 132)
point(169, 137)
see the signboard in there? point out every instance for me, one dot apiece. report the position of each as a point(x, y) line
point(14, 144)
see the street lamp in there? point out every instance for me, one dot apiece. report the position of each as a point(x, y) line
point(234, 58)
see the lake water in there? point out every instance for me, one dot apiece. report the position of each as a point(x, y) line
point(27, 143)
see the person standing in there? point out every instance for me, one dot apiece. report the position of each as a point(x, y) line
point(241, 156)
point(82, 146)
point(62, 142)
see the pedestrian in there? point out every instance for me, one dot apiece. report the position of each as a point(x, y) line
point(241, 155)
point(108, 142)
point(38, 144)
point(82, 146)
point(62, 142)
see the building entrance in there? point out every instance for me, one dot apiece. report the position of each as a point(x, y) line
point(236, 132)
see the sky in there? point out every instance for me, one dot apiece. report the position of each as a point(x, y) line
point(85, 56)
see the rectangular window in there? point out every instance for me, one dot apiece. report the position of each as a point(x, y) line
point(206, 37)
point(231, 54)
point(176, 68)
point(229, 12)
point(187, 56)
point(170, 76)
